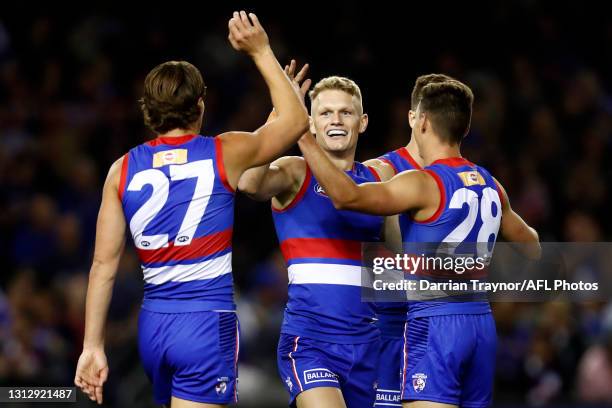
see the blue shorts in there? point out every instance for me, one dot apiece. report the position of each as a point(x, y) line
point(192, 356)
point(450, 359)
point(388, 382)
point(305, 363)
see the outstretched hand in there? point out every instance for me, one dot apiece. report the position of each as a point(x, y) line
point(299, 83)
point(91, 373)
point(246, 34)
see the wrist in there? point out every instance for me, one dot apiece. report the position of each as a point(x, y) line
point(263, 53)
point(306, 139)
point(93, 345)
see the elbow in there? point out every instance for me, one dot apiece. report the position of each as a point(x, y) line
point(246, 187)
point(103, 271)
point(537, 247)
point(531, 245)
point(343, 202)
point(251, 189)
point(339, 205)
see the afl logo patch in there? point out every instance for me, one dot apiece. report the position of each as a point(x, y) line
point(319, 190)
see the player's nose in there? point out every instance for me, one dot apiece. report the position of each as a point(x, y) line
point(337, 118)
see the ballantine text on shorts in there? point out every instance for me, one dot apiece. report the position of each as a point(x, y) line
point(479, 286)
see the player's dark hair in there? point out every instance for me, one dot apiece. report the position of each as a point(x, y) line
point(171, 94)
point(421, 82)
point(449, 106)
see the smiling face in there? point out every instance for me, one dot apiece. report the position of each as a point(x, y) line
point(337, 120)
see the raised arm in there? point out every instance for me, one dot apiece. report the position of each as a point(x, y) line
point(274, 180)
point(411, 190)
point(92, 368)
point(243, 150)
point(514, 229)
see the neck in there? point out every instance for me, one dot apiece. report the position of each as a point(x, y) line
point(179, 132)
point(436, 151)
point(413, 149)
point(342, 160)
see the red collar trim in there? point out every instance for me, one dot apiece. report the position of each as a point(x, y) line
point(454, 162)
point(402, 151)
point(171, 140)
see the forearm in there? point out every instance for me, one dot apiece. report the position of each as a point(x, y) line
point(286, 100)
point(514, 229)
point(99, 294)
point(338, 186)
point(251, 181)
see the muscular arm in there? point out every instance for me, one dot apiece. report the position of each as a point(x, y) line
point(514, 229)
point(92, 367)
point(391, 233)
point(384, 170)
point(410, 190)
point(281, 179)
point(110, 240)
point(243, 150)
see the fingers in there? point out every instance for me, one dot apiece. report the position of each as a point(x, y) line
point(86, 388)
point(103, 376)
point(238, 22)
point(233, 32)
point(98, 394)
point(91, 392)
point(305, 86)
point(241, 22)
point(291, 70)
point(255, 21)
point(245, 20)
point(302, 74)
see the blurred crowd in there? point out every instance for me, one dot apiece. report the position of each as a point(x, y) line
point(69, 86)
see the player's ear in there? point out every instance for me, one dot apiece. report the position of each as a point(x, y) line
point(201, 104)
point(312, 128)
point(424, 122)
point(411, 118)
point(363, 123)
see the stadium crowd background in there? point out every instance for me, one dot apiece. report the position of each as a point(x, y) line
point(69, 85)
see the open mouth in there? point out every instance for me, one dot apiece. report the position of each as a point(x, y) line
point(336, 132)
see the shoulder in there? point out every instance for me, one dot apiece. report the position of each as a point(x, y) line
point(115, 171)
point(117, 166)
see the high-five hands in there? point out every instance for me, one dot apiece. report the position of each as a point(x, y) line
point(247, 35)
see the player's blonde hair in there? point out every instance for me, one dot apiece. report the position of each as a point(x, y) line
point(337, 83)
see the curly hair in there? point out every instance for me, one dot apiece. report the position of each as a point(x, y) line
point(171, 94)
